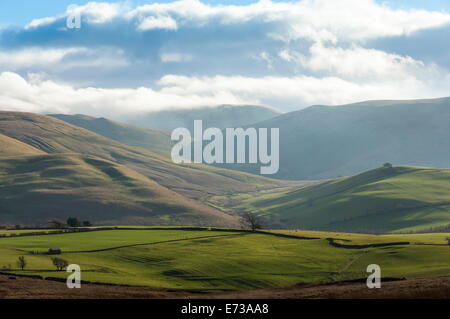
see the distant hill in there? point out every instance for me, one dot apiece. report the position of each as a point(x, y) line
point(155, 140)
point(322, 142)
point(221, 117)
point(54, 136)
point(36, 188)
point(385, 199)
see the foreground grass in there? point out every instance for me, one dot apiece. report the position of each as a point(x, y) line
point(215, 260)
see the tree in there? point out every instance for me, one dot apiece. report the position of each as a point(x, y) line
point(387, 165)
point(87, 223)
point(55, 223)
point(250, 221)
point(73, 222)
point(21, 262)
point(60, 263)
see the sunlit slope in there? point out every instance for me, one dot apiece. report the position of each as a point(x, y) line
point(384, 199)
point(35, 188)
point(155, 140)
point(13, 147)
point(55, 136)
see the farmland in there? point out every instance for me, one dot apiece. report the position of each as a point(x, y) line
point(388, 199)
point(217, 260)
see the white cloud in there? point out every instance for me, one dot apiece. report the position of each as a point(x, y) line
point(92, 12)
point(358, 62)
point(37, 94)
point(324, 42)
point(175, 57)
point(35, 56)
point(320, 20)
point(299, 91)
point(40, 22)
point(97, 12)
point(151, 23)
point(52, 59)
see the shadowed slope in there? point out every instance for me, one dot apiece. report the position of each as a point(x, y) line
point(384, 199)
point(155, 140)
point(322, 142)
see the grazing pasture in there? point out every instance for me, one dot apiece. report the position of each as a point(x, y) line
point(209, 260)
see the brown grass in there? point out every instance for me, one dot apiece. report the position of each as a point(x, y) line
point(27, 288)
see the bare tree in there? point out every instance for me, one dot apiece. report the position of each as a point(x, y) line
point(250, 221)
point(21, 262)
point(60, 263)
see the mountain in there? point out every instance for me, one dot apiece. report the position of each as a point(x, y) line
point(221, 117)
point(322, 142)
point(386, 199)
point(35, 188)
point(155, 140)
point(54, 136)
point(12, 147)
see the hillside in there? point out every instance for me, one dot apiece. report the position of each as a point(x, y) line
point(155, 140)
point(385, 199)
point(322, 142)
point(55, 136)
point(35, 188)
point(12, 147)
point(221, 117)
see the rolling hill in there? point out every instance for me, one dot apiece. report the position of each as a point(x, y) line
point(38, 187)
point(387, 199)
point(322, 142)
point(12, 147)
point(220, 116)
point(155, 140)
point(54, 136)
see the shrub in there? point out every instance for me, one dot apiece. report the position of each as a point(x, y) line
point(60, 263)
point(21, 262)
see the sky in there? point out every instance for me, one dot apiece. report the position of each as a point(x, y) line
point(134, 57)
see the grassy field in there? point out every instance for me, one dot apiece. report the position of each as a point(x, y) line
point(362, 239)
point(395, 199)
point(219, 260)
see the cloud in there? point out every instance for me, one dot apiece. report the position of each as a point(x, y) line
point(151, 23)
point(356, 62)
point(38, 94)
point(188, 53)
point(35, 23)
point(315, 19)
point(35, 56)
point(175, 57)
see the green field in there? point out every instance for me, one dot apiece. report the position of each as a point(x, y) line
point(217, 260)
point(387, 199)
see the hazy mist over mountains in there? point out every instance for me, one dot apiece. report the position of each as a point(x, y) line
point(323, 142)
